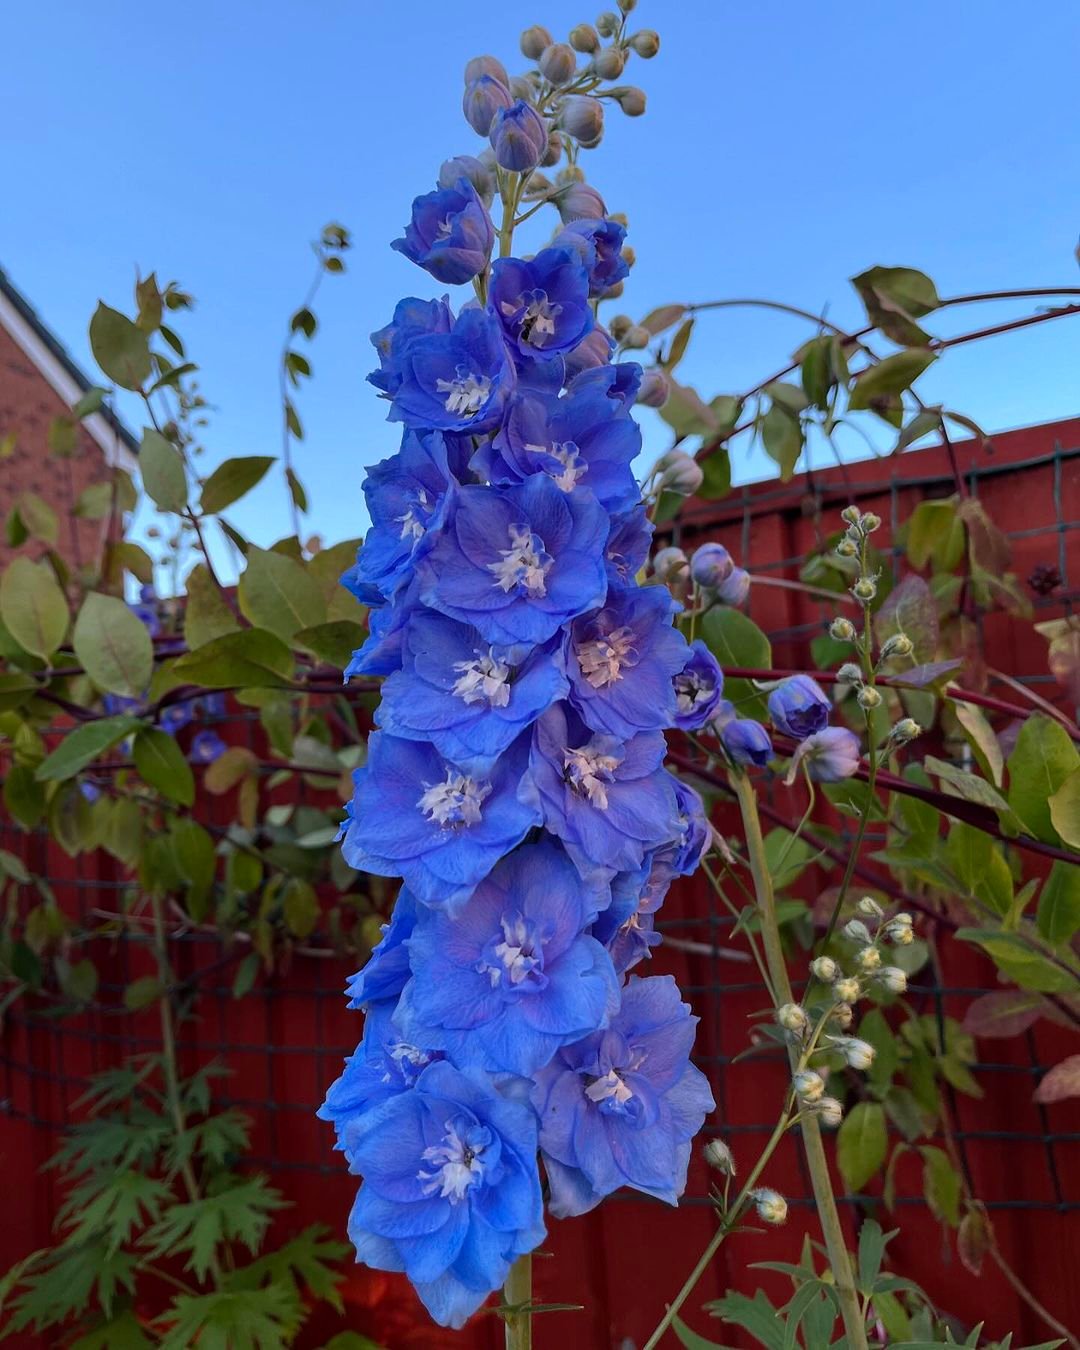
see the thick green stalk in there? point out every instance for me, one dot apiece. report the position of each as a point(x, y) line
point(517, 1291)
point(817, 1163)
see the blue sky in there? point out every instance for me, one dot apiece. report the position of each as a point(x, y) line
point(786, 147)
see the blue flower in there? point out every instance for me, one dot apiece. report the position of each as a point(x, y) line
point(711, 566)
point(628, 545)
point(620, 1107)
point(450, 234)
point(599, 242)
point(584, 439)
point(831, 755)
point(514, 976)
point(621, 660)
point(746, 741)
point(620, 382)
point(407, 500)
point(412, 318)
point(147, 615)
point(685, 852)
point(455, 381)
point(381, 650)
point(626, 926)
point(518, 137)
point(542, 304)
point(470, 699)
point(416, 816)
point(483, 98)
point(798, 708)
point(517, 562)
point(698, 687)
point(451, 1191)
point(206, 746)
point(609, 801)
point(591, 353)
point(386, 970)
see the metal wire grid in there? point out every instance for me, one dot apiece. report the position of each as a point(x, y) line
point(283, 1081)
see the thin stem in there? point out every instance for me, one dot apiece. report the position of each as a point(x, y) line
point(1021, 1289)
point(762, 969)
point(814, 1149)
point(517, 1293)
point(283, 387)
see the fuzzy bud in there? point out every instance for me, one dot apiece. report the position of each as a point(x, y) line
point(584, 38)
point(771, 1205)
point(847, 990)
point(870, 523)
point(552, 154)
point(580, 202)
point(522, 87)
point(792, 1017)
point(850, 515)
point(609, 62)
point(857, 1054)
point(475, 170)
point(717, 1154)
point(583, 118)
point(857, 931)
point(557, 63)
point(868, 697)
point(630, 99)
point(619, 326)
point(680, 473)
point(637, 337)
point(905, 730)
point(486, 65)
point(654, 388)
point(809, 1086)
point(627, 5)
point(842, 630)
point(868, 960)
point(849, 673)
point(846, 549)
point(900, 930)
point(898, 645)
point(824, 969)
point(669, 563)
point(893, 979)
point(534, 40)
point(830, 1112)
point(629, 255)
point(869, 907)
point(646, 43)
point(607, 24)
point(865, 588)
point(843, 1015)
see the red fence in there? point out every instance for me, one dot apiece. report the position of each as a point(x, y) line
point(284, 1042)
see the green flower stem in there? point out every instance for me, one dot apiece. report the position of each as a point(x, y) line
point(816, 1161)
point(517, 1291)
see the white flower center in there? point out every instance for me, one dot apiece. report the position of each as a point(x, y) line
point(589, 769)
point(409, 1059)
point(691, 691)
point(537, 316)
point(518, 958)
point(455, 801)
point(567, 454)
point(609, 1088)
point(458, 1160)
point(484, 679)
point(412, 524)
point(465, 395)
point(602, 659)
point(524, 564)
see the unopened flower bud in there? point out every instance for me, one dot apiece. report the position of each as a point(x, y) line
point(809, 1086)
point(583, 118)
point(869, 907)
point(613, 293)
point(846, 990)
point(868, 697)
point(584, 38)
point(468, 166)
point(654, 389)
point(843, 1015)
point(849, 673)
point(857, 1054)
point(557, 63)
point(864, 589)
point(906, 730)
point(630, 99)
point(608, 63)
point(486, 65)
point(669, 563)
point(893, 979)
point(843, 630)
point(900, 930)
point(857, 931)
point(850, 515)
point(637, 337)
point(718, 1155)
point(552, 154)
point(711, 565)
point(593, 351)
point(870, 522)
point(522, 87)
point(579, 201)
point(898, 645)
point(518, 137)
point(792, 1017)
point(771, 1205)
point(627, 5)
point(483, 98)
point(868, 960)
point(619, 326)
point(825, 969)
point(680, 473)
point(629, 255)
point(646, 43)
point(846, 549)
point(830, 1112)
point(735, 588)
point(607, 24)
point(534, 40)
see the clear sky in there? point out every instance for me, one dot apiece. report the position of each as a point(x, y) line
point(785, 148)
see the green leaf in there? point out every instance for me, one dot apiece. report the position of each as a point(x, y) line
point(240, 1319)
point(872, 1244)
point(160, 763)
point(82, 746)
point(861, 1144)
point(982, 739)
point(113, 646)
point(1021, 962)
point(163, 474)
point(687, 413)
point(1058, 915)
point(889, 378)
point(300, 906)
point(249, 659)
point(122, 1332)
point(94, 502)
point(1043, 758)
point(279, 594)
point(910, 609)
point(874, 1028)
point(736, 640)
point(238, 1213)
point(206, 613)
point(941, 1185)
point(716, 466)
point(782, 437)
point(296, 490)
point(690, 1338)
point(332, 642)
point(91, 402)
point(68, 1281)
point(894, 297)
point(38, 518)
point(120, 348)
point(142, 992)
point(659, 320)
point(32, 607)
point(195, 854)
point(787, 856)
point(755, 1315)
point(246, 973)
point(679, 343)
point(971, 788)
point(1065, 810)
point(304, 1264)
point(24, 796)
point(930, 535)
point(231, 480)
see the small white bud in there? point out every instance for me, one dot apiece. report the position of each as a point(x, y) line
point(868, 697)
point(858, 1054)
point(718, 1155)
point(843, 630)
point(870, 522)
point(825, 969)
point(869, 907)
point(771, 1205)
point(669, 563)
point(857, 931)
point(637, 337)
point(850, 515)
point(848, 989)
point(843, 1015)
point(865, 588)
point(792, 1017)
point(849, 673)
point(900, 930)
point(609, 62)
point(906, 730)
point(607, 25)
point(646, 43)
point(584, 38)
point(534, 40)
point(898, 645)
point(679, 472)
point(830, 1112)
point(868, 960)
point(893, 979)
point(846, 548)
point(619, 326)
point(809, 1086)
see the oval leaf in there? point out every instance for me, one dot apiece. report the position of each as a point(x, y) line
point(120, 348)
point(33, 607)
point(279, 594)
point(861, 1144)
point(82, 746)
point(113, 646)
point(232, 480)
point(163, 473)
point(160, 763)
